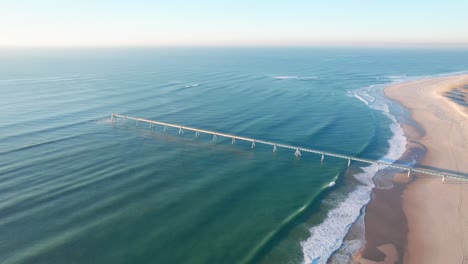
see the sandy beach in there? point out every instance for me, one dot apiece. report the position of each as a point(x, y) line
point(433, 225)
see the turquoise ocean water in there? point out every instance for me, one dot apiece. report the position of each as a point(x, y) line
point(75, 188)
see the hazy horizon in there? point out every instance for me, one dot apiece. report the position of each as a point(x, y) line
point(461, 46)
point(53, 23)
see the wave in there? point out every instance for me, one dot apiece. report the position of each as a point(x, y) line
point(366, 98)
point(36, 79)
point(333, 182)
point(295, 77)
point(251, 257)
point(326, 238)
point(361, 99)
point(191, 85)
point(21, 148)
point(33, 133)
point(395, 77)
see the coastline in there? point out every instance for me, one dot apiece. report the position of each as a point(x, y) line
point(428, 222)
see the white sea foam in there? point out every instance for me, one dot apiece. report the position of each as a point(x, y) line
point(192, 85)
point(361, 99)
point(366, 98)
point(285, 77)
point(396, 77)
point(327, 237)
point(295, 77)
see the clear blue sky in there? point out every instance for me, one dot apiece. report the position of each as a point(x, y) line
point(236, 22)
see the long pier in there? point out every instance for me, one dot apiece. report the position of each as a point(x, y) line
point(297, 150)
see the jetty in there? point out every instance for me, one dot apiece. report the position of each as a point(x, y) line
point(296, 149)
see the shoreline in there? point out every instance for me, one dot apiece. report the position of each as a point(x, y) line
point(385, 223)
point(415, 227)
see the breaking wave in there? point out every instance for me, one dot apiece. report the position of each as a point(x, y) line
point(328, 237)
point(192, 85)
point(295, 77)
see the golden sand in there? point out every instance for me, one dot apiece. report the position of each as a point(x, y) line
point(436, 212)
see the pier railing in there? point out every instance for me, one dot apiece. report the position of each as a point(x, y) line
point(297, 150)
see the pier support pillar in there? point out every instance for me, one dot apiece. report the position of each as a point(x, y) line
point(297, 153)
point(165, 128)
point(214, 138)
point(181, 131)
point(233, 141)
point(253, 144)
point(443, 179)
point(274, 148)
point(197, 134)
point(151, 125)
point(349, 162)
point(409, 173)
point(323, 157)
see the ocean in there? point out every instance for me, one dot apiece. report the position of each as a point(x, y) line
point(78, 188)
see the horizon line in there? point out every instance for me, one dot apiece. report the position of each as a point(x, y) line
point(390, 45)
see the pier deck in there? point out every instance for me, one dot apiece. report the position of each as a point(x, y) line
point(297, 149)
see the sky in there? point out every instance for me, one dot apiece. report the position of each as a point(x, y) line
point(233, 23)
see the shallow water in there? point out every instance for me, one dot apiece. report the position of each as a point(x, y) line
point(76, 188)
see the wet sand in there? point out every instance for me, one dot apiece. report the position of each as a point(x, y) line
point(433, 225)
point(386, 226)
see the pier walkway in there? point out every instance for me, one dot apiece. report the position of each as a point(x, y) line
point(297, 150)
